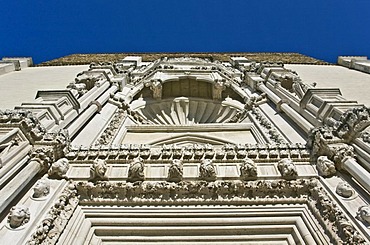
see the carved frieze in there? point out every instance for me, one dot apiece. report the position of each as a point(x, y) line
point(191, 152)
point(260, 192)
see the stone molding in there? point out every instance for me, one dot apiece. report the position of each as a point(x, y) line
point(309, 191)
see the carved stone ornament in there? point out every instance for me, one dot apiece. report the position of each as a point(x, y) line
point(248, 169)
point(287, 168)
point(207, 170)
point(18, 216)
point(344, 189)
point(59, 169)
point(98, 170)
point(156, 87)
point(218, 87)
point(325, 167)
point(175, 171)
point(363, 214)
point(352, 123)
point(259, 192)
point(136, 170)
point(51, 227)
point(41, 188)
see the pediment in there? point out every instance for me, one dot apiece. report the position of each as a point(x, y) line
point(190, 139)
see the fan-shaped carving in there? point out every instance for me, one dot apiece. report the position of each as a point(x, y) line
point(183, 110)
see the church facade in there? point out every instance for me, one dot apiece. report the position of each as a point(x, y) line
point(186, 149)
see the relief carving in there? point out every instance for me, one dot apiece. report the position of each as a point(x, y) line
point(352, 123)
point(98, 170)
point(175, 171)
point(363, 214)
point(218, 87)
point(59, 169)
point(156, 87)
point(287, 168)
point(325, 167)
point(207, 170)
point(248, 169)
point(18, 216)
point(41, 188)
point(136, 170)
point(344, 189)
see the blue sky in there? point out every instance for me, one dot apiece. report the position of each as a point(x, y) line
point(50, 29)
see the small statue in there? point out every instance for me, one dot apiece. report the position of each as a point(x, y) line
point(207, 170)
point(363, 214)
point(41, 188)
point(98, 170)
point(344, 189)
point(136, 170)
point(248, 169)
point(325, 167)
point(18, 216)
point(59, 169)
point(175, 171)
point(287, 168)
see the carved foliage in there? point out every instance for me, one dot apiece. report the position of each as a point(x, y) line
point(56, 219)
point(352, 123)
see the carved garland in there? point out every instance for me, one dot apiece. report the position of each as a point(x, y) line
point(57, 218)
point(266, 125)
point(338, 226)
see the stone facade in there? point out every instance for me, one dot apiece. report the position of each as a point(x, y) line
point(186, 150)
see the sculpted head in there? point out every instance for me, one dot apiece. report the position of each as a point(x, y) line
point(344, 189)
point(59, 168)
point(363, 214)
point(41, 188)
point(18, 216)
point(248, 169)
point(325, 167)
point(100, 167)
point(287, 168)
